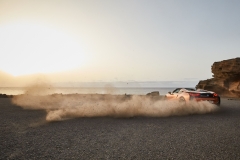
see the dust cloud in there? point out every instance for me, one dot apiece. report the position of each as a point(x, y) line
point(38, 89)
point(60, 107)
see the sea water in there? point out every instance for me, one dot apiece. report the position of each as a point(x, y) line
point(90, 90)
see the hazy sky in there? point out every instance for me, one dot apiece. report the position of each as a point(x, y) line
point(118, 40)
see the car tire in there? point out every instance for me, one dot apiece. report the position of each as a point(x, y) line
point(182, 101)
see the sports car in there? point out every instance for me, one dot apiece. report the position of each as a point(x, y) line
point(190, 94)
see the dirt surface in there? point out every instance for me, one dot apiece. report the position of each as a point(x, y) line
point(25, 134)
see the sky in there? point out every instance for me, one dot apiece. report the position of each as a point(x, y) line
point(117, 40)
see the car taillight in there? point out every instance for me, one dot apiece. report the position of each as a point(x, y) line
point(215, 94)
point(194, 94)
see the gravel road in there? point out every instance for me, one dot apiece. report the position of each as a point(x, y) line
point(24, 134)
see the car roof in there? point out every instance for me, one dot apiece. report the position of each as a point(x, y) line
point(190, 89)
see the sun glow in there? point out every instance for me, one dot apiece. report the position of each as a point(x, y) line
point(32, 48)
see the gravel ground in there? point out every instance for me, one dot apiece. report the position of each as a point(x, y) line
point(24, 134)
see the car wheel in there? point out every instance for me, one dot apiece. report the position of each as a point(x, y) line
point(182, 101)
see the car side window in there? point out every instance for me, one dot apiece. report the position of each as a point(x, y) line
point(176, 91)
point(181, 90)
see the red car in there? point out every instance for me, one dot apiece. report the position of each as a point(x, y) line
point(188, 94)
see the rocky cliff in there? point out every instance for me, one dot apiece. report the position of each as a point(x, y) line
point(226, 78)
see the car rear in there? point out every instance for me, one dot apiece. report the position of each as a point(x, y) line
point(205, 96)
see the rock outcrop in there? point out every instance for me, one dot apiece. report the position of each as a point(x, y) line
point(154, 93)
point(6, 96)
point(226, 78)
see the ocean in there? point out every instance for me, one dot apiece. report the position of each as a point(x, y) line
point(90, 90)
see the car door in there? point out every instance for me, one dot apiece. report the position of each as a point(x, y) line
point(174, 94)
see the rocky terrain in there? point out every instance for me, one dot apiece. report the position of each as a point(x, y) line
point(5, 96)
point(226, 78)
